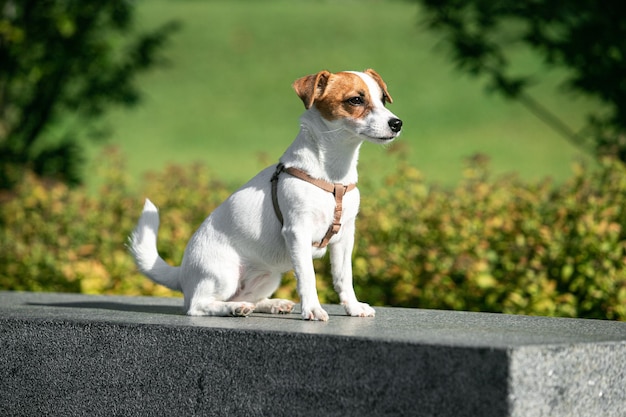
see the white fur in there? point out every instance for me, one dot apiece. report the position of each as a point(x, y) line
point(234, 261)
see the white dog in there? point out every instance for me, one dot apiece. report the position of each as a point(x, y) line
point(287, 214)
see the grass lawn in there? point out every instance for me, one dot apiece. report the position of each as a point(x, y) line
point(225, 98)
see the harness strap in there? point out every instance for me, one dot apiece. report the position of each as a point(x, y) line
point(279, 168)
point(336, 189)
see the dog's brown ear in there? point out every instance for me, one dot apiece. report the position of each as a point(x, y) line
point(311, 87)
point(380, 82)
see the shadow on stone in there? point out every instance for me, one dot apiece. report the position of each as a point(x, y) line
point(153, 309)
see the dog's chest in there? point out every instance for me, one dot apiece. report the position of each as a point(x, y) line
point(323, 208)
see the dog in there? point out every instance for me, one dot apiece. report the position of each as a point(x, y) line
point(287, 214)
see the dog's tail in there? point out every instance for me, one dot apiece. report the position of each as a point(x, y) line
point(142, 244)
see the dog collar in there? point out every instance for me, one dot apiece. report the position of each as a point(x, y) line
point(336, 189)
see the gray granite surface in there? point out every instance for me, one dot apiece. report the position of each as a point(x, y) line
point(70, 354)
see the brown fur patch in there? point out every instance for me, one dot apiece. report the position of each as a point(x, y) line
point(333, 102)
point(310, 87)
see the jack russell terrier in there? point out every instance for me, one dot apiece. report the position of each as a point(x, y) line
point(287, 214)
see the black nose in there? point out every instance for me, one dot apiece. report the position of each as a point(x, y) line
point(395, 125)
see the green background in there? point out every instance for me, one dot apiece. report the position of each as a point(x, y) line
point(225, 96)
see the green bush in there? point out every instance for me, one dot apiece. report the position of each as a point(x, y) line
point(499, 245)
point(55, 238)
point(490, 244)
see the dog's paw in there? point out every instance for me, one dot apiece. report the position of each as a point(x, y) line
point(275, 306)
point(243, 309)
point(315, 313)
point(280, 306)
point(359, 310)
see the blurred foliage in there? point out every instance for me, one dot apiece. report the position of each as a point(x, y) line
point(64, 61)
point(55, 238)
point(499, 245)
point(490, 244)
point(584, 37)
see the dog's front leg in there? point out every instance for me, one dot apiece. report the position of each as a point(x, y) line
point(301, 252)
point(341, 269)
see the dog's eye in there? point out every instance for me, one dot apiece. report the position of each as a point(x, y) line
point(356, 101)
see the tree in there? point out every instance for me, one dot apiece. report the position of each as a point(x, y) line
point(62, 60)
point(585, 37)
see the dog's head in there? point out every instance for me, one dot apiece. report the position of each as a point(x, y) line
point(354, 100)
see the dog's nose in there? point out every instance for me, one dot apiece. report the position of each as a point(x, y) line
point(395, 125)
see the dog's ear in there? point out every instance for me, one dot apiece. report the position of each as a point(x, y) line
point(380, 82)
point(311, 87)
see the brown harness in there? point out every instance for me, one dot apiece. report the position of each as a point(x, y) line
point(337, 189)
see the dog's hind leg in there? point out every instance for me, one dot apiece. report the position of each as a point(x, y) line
point(257, 286)
point(210, 297)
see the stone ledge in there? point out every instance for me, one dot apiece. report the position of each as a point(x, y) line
point(69, 354)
